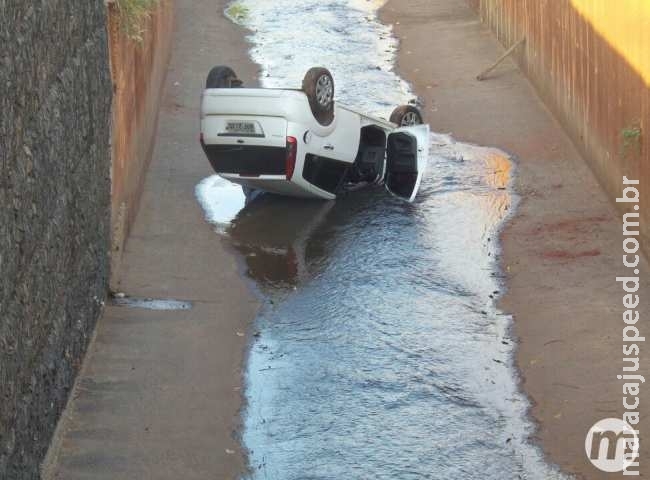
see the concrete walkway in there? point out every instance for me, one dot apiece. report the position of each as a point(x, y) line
point(159, 393)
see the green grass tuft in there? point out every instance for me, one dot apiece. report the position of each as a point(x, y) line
point(237, 13)
point(631, 137)
point(134, 15)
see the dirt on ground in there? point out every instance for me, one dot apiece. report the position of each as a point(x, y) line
point(562, 251)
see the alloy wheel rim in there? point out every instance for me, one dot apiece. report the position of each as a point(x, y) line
point(324, 90)
point(409, 119)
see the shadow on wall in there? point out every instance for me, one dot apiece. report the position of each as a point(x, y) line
point(138, 69)
point(590, 62)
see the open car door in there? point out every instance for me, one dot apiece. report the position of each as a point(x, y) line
point(407, 154)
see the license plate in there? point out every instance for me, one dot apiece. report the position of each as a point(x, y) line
point(244, 128)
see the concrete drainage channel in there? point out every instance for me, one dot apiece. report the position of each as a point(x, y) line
point(123, 300)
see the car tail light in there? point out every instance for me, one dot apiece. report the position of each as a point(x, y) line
point(292, 151)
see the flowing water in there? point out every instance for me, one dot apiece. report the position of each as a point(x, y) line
point(380, 353)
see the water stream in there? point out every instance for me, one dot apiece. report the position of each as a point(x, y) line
point(380, 353)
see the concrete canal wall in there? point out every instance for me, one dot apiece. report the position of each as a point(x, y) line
point(138, 69)
point(589, 60)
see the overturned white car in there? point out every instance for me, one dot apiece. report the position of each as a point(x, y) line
point(302, 143)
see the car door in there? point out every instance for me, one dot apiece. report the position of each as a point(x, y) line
point(342, 143)
point(407, 155)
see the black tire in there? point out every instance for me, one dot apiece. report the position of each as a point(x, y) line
point(318, 85)
point(406, 115)
point(222, 77)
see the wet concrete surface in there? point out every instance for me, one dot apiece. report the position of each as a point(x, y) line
point(151, 303)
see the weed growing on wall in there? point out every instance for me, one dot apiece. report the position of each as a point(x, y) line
point(631, 140)
point(134, 15)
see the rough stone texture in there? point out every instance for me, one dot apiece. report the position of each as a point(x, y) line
point(55, 95)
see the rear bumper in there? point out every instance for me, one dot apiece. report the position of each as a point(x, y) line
point(261, 167)
point(246, 159)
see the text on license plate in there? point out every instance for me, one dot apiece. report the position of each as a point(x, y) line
point(240, 127)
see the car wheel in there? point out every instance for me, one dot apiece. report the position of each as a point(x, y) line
point(406, 116)
point(222, 77)
point(318, 85)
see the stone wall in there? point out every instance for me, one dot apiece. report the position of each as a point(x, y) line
point(55, 94)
